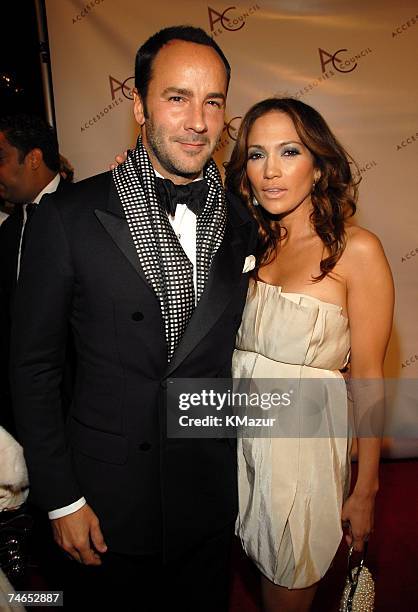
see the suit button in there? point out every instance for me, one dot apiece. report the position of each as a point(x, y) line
point(144, 446)
point(137, 316)
point(163, 384)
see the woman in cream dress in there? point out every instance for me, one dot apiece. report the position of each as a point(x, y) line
point(321, 295)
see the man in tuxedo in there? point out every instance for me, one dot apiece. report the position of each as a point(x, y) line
point(29, 168)
point(146, 263)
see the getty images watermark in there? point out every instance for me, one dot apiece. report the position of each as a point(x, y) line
point(320, 407)
point(226, 402)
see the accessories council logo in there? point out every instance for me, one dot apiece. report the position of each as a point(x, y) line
point(341, 64)
point(229, 19)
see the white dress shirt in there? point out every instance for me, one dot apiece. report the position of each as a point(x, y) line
point(3, 216)
point(184, 226)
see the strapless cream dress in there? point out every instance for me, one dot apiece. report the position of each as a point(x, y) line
point(291, 489)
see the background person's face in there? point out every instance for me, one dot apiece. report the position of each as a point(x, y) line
point(15, 177)
point(186, 109)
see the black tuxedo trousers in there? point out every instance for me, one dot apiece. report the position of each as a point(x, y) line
point(81, 272)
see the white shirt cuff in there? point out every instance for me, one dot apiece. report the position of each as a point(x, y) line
point(59, 512)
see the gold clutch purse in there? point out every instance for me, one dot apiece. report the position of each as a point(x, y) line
point(358, 594)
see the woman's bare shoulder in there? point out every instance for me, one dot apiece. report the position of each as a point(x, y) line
point(362, 243)
point(363, 256)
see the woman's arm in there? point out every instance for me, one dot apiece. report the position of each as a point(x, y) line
point(370, 300)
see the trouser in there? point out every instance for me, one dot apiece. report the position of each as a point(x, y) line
point(196, 582)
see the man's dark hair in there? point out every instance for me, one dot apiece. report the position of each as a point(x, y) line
point(146, 53)
point(27, 132)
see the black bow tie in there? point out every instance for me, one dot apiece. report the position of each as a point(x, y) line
point(193, 195)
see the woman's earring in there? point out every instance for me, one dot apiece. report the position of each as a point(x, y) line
point(255, 202)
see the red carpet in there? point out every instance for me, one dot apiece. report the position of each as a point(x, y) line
point(392, 555)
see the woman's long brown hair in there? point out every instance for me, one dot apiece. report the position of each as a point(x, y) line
point(334, 196)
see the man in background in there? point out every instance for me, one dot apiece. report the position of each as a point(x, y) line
point(29, 168)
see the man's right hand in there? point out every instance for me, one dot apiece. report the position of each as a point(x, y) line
point(79, 534)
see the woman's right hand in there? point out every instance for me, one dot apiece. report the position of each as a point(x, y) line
point(119, 159)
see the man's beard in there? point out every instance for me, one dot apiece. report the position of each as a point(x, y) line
point(157, 145)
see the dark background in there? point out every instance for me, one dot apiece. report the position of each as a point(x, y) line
point(20, 59)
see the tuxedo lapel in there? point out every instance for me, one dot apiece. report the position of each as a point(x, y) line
point(114, 222)
point(225, 274)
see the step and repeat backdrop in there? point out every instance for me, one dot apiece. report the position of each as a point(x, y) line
point(352, 60)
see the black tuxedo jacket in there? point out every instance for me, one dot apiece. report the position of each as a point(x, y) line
point(10, 233)
point(150, 492)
